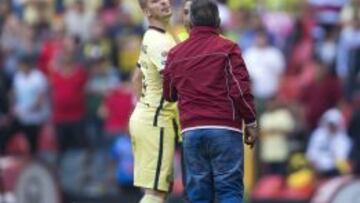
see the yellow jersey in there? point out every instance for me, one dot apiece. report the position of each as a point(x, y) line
point(152, 109)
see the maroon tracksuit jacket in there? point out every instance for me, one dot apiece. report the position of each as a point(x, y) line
point(207, 76)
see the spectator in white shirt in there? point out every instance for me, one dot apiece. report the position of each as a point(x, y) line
point(266, 65)
point(328, 11)
point(329, 146)
point(31, 107)
point(348, 61)
point(79, 20)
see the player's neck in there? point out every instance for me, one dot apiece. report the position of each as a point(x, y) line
point(162, 24)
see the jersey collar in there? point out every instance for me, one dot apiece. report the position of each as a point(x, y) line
point(157, 29)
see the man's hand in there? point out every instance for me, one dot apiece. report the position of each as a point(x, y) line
point(251, 135)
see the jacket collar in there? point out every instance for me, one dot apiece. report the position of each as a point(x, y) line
point(203, 30)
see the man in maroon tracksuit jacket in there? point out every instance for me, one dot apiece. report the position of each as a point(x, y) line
point(207, 76)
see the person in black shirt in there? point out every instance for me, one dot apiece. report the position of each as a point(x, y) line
point(354, 132)
point(4, 111)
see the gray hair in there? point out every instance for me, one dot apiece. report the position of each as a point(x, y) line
point(204, 13)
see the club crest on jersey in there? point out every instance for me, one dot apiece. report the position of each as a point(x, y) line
point(144, 48)
point(143, 64)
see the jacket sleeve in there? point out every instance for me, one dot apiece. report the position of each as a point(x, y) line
point(169, 90)
point(241, 86)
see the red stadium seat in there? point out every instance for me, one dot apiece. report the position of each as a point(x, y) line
point(298, 193)
point(47, 139)
point(178, 187)
point(18, 145)
point(10, 168)
point(268, 187)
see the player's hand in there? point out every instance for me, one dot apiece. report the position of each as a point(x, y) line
point(251, 135)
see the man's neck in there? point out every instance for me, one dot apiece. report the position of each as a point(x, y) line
point(162, 24)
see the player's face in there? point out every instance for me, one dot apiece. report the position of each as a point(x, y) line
point(159, 9)
point(186, 14)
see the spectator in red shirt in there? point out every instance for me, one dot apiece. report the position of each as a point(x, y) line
point(322, 94)
point(50, 48)
point(116, 110)
point(68, 82)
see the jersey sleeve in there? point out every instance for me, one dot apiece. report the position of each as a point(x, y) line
point(157, 52)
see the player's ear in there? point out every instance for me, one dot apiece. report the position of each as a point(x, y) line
point(147, 12)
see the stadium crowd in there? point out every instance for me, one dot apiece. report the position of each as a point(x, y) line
point(65, 69)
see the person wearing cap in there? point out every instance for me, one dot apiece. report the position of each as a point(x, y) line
point(208, 77)
point(329, 145)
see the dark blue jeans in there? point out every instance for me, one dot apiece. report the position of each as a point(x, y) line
point(213, 162)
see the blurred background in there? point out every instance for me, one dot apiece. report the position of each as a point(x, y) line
point(65, 98)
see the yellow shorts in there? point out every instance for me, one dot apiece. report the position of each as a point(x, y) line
point(153, 149)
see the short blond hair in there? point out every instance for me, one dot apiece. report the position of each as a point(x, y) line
point(142, 3)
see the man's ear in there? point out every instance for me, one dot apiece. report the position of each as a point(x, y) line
point(218, 22)
point(191, 25)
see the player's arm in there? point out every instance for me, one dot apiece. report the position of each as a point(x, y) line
point(137, 82)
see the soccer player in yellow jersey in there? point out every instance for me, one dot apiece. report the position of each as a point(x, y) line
point(183, 31)
point(153, 125)
point(186, 15)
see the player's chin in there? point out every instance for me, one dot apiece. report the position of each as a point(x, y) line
point(167, 15)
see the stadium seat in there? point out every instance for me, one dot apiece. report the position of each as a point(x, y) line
point(47, 139)
point(10, 168)
point(18, 145)
point(178, 187)
point(268, 187)
point(297, 193)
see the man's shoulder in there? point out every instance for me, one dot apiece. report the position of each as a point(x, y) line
point(223, 40)
point(218, 44)
point(180, 46)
